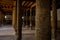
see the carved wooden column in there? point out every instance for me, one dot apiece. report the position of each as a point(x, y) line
point(43, 20)
point(54, 18)
point(19, 19)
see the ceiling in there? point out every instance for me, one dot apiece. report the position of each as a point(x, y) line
point(7, 5)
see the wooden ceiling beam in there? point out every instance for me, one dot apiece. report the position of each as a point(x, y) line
point(23, 3)
point(26, 3)
point(30, 0)
point(33, 5)
point(30, 4)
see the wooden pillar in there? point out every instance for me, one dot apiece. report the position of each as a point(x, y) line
point(31, 18)
point(26, 19)
point(14, 17)
point(19, 19)
point(23, 17)
point(43, 20)
point(54, 18)
point(0, 18)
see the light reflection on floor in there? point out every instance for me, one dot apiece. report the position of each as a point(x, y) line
point(7, 33)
